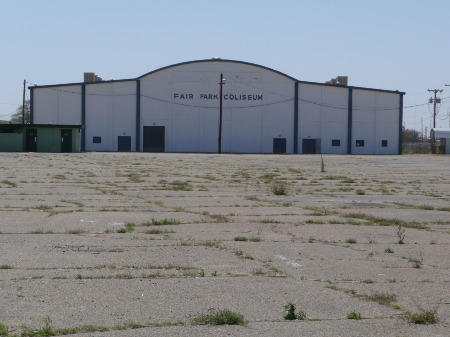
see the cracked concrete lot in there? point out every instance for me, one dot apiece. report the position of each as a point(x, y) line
point(139, 244)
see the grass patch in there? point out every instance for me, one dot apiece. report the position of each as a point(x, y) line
point(162, 222)
point(255, 239)
point(351, 240)
point(158, 231)
point(425, 317)
point(75, 231)
point(9, 183)
point(354, 315)
point(240, 238)
point(48, 330)
point(219, 317)
point(219, 218)
point(251, 198)
point(129, 227)
point(180, 186)
point(381, 298)
point(279, 189)
point(5, 266)
point(268, 221)
point(371, 220)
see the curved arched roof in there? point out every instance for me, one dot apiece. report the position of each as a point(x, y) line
point(218, 60)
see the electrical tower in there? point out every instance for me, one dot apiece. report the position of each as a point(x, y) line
point(435, 101)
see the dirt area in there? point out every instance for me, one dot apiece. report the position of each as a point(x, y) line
point(136, 244)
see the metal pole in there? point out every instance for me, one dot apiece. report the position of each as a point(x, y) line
point(435, 101)
point(23, 102)
point(220, 114)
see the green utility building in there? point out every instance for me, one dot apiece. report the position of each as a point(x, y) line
point(39, 138)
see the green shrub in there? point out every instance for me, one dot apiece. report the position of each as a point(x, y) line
point(3, 330)
point(162, 222)
point(354, 315)
point(219, 317)
point(279, 189)
point(290, 311)
point(351, 240)
point(240, 238)
point(423, 317)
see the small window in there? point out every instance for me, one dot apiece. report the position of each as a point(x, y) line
point(360, 143)
point(96, 140)
point(384, 143)
point(336, 142)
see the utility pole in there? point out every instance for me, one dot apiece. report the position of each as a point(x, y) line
point(222, 82)
point(23, 102)
point(435, 100)
point(448, 112)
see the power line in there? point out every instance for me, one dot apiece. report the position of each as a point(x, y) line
point(342, 107)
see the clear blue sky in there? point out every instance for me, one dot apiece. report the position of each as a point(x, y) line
point(385, 44)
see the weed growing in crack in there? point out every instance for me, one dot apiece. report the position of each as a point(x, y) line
point(425, 317)
point(219, 317)
point(162, 222)
point(381, 298)
point(158, 231)
point(354, 315)
point(5, 266)
point(279, 189)
point(290, 312)
point(4, 331)
point(400, 231)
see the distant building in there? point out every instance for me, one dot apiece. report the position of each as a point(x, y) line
point(177, 109)
point(440, 140)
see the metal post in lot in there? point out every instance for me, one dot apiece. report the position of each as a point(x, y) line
point(221, 83)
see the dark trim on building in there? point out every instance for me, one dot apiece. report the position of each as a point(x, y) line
point(48, 126)
point(218, 61)
point(73, 84)
point(296, 118)
point(400, 128)
point(138, 115)
point(349, 121)
point(83, 117)
point(31, 106)
point(352, 87)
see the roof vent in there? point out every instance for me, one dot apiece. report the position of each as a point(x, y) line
point(91, 77)
point(340, 80)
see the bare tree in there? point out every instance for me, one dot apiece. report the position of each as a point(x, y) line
point(412, 136)
point(17, 116)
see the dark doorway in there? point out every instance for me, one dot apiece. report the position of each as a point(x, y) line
point(154, 138)
point(66, 140)
point(124, 143)
point(279, 145)
point(31, 140)
point(309, 146)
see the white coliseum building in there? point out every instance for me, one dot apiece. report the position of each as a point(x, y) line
point(177, 109)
